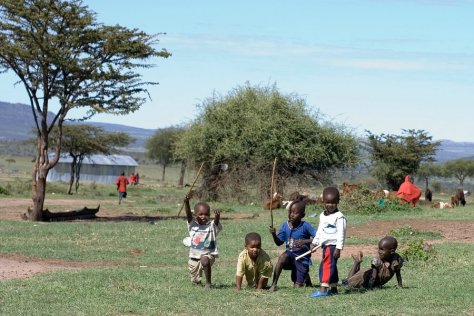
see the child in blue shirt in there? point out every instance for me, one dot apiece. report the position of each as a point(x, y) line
point(297, 235)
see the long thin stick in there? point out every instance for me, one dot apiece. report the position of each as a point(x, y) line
point(192, 186)
point(271, 189)
point(308, 252)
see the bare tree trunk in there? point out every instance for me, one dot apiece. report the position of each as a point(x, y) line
point(78, 171)
point(40, 171)
point(163, 174)
point(181, 173)
point(71, 179)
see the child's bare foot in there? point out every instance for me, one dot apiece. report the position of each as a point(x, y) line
point(358, 257)
point(207, 286)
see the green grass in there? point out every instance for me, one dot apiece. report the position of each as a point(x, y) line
point(162, 286)
point(157, 282)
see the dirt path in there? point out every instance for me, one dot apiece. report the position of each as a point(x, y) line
point(21, 267)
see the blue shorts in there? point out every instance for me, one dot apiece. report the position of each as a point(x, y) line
point(299, 270)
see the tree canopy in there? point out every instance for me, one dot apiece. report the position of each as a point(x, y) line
point(81, 141)
point(395, 156)
point(460, 169)
point(161, 146)
point(63, 57)
point(249, 127)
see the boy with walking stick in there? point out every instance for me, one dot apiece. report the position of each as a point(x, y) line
point(297, 235)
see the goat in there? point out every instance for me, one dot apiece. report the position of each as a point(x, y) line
point(275, 202)
point(458, 198)
point(428, 195)
point(348, 188)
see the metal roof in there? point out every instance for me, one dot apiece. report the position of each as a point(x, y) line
point(110, 160)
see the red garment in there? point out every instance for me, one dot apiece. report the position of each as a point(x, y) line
point(132, 179)
point(409, 192)
point(122, 184)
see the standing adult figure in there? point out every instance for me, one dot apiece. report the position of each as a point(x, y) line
point(409, 192)
point(122, 183)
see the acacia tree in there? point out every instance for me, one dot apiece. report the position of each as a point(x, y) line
point(460, 169)
point(160, 147)
point(81, 141)
point(395, 156)
point(245, 130)
point(63, 57)
point(427, 170)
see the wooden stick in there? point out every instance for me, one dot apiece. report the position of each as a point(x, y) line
point(271, 189)
point(192, 186)
point(308, 252)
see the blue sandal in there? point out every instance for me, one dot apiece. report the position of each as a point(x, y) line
point(320, 294)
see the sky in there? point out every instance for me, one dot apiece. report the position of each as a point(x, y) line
point(373, 65)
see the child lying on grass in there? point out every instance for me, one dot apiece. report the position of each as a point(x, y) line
point(382, 268)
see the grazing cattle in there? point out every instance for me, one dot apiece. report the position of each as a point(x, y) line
point(296, 196)
point(348, 188)
point(275, 202)
point(428, 195)
point(441, 205)
point(458, 198)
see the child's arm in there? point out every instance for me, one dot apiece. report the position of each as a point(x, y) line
point(302, 242)
point(399, 278)
point(373, 276)
point(217, 217)
point(238, 282)
point(262, 283)
point(276, 240)
point(187, 208)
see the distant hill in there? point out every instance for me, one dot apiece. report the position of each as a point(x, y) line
point(16, 122)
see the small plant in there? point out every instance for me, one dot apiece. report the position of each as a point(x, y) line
point(408, 231)
point(4, 191)
point(417, 250)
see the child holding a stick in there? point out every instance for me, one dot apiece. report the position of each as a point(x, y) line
point(297, 235)
point(382, 268)
point(253, 263)
point(330, 237)
point(203, 233)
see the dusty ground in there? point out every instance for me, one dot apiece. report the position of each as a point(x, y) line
point(22, 267)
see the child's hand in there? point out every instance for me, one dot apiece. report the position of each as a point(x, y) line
point(337, 253)
point(217, 215)
point(187, 197)
point(300, 242)
point(272, 230)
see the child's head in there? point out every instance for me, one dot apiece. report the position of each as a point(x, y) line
point(296, 211)
point(253, 244)
point(387, 246)
point(330, 199)
point(202, 212)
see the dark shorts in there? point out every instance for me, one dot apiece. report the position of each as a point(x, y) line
point(123, 195)
point(299, 271)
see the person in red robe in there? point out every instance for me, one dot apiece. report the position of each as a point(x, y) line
point(409, 192)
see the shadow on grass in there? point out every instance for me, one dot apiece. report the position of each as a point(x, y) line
point(153, 219)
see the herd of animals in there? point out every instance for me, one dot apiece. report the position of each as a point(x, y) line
point(458, 199)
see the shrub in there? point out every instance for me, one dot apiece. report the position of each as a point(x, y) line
point(364, 201)
point(417, 250)
point(4, 191)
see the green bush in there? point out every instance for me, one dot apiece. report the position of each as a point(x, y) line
point(417, 250)
point(4, 191)
point(364, 201)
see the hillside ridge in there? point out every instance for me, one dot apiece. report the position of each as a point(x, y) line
point(16, 124)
